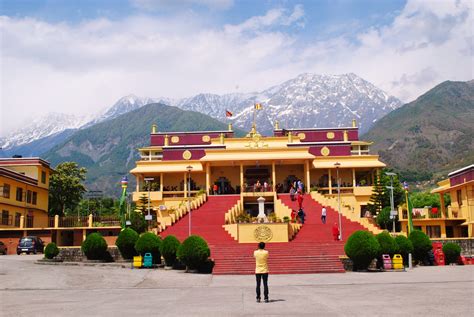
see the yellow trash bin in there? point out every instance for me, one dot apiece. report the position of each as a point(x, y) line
point(398, 262)
point(137, 261)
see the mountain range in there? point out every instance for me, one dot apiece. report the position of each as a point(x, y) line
point(309, 100)
point(431, 136)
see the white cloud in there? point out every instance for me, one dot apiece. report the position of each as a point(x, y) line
point(81, 68)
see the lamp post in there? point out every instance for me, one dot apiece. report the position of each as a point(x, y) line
point(392, 207)
point(337, 165)
point(189, 169)
point(148, 180)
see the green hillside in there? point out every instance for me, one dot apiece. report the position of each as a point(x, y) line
point(430, 136)
point(109, 149)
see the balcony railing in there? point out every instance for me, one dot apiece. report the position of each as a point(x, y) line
point(73, 221)
point(105, 221)
point(7, 220)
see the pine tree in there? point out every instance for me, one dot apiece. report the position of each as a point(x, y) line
point(376, 201)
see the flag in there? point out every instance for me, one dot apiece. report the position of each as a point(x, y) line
point(258, 106)
point(410, 213)
point(228, 113)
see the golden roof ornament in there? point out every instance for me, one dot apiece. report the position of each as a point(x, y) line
point(277, 125)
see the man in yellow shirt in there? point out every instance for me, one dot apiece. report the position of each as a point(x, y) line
point(261, 270)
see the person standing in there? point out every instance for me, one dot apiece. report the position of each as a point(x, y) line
point(301, 215)
point(261, 270)
point(215, 189)
point(300, 200)
point(323, 215)
point(335, 232)
point(292, 193)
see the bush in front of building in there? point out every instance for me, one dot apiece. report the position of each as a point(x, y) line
point(362, 247)
point(51, 250)
point(404, 247)
point(138, 222)
point(387, 244)
point(169, 248)
point(126, 243)
point(451, 251)
point(421, 245)
point(149, 242)
point(194, 252)
point(94, 247)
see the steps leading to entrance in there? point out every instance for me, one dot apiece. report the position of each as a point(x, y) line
point(312, 251)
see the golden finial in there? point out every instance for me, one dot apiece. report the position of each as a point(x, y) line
point(290, 137)
point(354, 123)
point(166, 140)
point(222, 138)
point(277, 125)
point(230, 126)
point(154, 127)
point(346, 137)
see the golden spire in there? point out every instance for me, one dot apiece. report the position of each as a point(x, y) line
point(277, 125)
point(154, 128)
point(166, 143)
point(230, 127)
point(354, 123)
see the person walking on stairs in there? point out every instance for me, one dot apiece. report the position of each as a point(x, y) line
point(261, 270)
point(335, 232)
point(323, 215)
point(300, 200)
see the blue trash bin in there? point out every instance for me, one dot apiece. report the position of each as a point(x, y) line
point(148, 260)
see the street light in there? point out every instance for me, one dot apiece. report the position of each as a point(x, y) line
point(392, 207)
point(148, 180)
point(337, 165)
point(189, 168)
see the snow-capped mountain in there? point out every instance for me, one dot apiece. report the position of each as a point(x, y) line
point(42, 127)
point(307, 101)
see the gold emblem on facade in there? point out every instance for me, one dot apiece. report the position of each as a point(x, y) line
point(330, 135)
point(206, 138)
point(302, 136)
point(187, 155)
point(263, 233)
point(325, 151)
point(175, 139)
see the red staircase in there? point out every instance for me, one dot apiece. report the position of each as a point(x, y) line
point(312, 251)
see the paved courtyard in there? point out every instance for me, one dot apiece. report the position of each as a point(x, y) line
point(28, 289)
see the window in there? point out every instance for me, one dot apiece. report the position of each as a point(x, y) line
point(433, 231)
point(5, 217)
point(43, 177)
point(28, 196)
point(459, 197)
point(6, 190)
point(35, 198)
point(17, 219)
point(19, 194)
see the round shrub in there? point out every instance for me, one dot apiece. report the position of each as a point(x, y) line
point(387, 244)
point(126, 243)
point(421, 244)
point(451, 251)
point(138, 222)
point(94, 247)
point(404, 246)
point(362, 247)
point(51, 250)
point(169, 247)
point(149, 242)
point(194, 252)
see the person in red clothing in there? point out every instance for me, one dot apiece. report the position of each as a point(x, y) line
point(300, 200)
point(293, 215)
point(335, 232)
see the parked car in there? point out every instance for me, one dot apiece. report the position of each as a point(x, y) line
point(3, 248)
point(30, 244)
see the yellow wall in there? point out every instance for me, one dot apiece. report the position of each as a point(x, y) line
point(232, 173)
point(33, 171)
point(173, 179)
point(283, 171)
point(246, 232)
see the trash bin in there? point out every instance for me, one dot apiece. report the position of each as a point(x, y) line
point(148, 260)
point(398, 262)
point(387, 262)
point(137, 261)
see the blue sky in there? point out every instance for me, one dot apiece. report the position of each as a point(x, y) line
point(81, 56)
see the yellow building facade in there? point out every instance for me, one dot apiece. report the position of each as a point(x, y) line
point(178, 166)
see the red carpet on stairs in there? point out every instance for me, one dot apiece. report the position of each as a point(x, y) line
point(312, 251)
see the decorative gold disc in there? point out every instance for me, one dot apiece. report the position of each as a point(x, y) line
point(175, 139)
point(330, 135)
point(263, 233)
point(325, 151)
point(187, 155)
point(302, 136)
point(206, 138)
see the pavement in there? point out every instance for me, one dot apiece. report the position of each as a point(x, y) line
point(29, 289)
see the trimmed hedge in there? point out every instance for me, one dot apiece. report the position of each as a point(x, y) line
point(126, 243)
point(138, 222)
point(51, 250)
point(94, 247)
point(194, 252)
point(362, 247)
point(387, 244)
point(149, 243)
point(421, 245)
point(404, 246)
point(451, 251)
point(169, 248)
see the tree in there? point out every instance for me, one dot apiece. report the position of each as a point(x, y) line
point(66, 188)
point(423, 199)
point(381, 194)
point(375, 204)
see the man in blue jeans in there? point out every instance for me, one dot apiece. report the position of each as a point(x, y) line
point(261, 270)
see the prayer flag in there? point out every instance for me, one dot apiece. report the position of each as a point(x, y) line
point(409, 211)
point(228, 113)
point(258, 106)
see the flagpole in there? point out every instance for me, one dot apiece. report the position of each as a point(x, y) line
point(408, 211)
